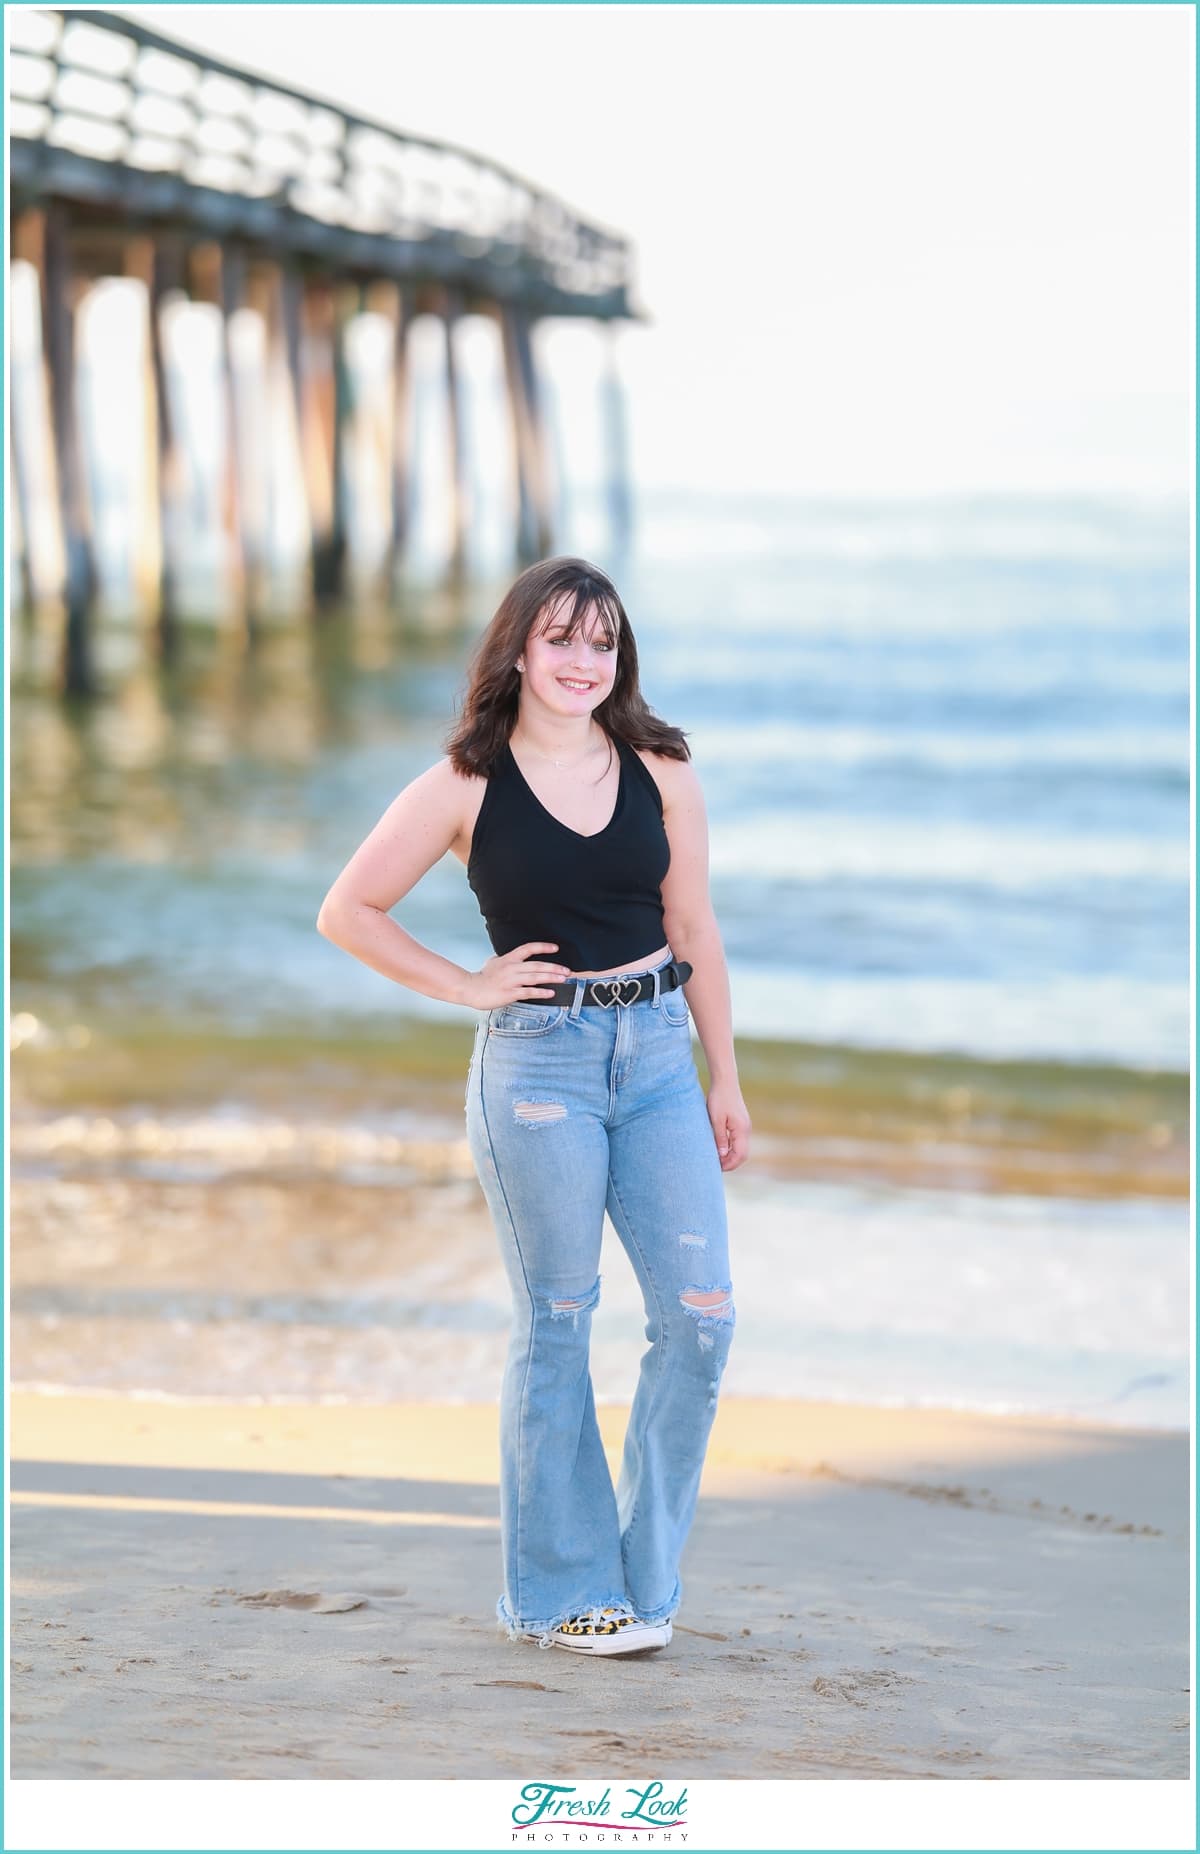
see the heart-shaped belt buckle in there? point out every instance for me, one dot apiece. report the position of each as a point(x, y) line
point(615, 989)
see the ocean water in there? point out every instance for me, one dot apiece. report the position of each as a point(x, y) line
point(249, 1276)
point(945, 753)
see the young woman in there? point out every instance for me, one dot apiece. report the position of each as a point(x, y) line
point(582, 826)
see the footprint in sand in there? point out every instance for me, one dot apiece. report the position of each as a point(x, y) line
point(849, 1687)
point(532, 1686)
point(313, 1600)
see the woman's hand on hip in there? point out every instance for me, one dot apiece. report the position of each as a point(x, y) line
point(509, 978)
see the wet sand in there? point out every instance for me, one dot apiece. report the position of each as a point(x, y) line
point(146, 1088)
point(206, 1590)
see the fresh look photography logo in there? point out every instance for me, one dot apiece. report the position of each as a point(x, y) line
point(554, 1812)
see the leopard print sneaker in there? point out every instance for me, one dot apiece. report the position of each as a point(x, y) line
point(610, 1631)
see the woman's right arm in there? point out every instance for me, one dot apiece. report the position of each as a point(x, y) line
point(413, 834)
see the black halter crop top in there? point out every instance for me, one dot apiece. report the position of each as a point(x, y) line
point(598, 898)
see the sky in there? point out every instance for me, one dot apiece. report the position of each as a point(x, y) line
point(883, 249)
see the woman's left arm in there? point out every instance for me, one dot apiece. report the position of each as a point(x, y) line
point(692, 933)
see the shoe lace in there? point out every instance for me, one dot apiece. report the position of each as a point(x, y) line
point(602, 1622)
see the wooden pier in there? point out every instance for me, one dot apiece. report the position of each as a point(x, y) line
point(132, 156)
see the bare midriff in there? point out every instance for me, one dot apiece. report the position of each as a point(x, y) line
point(630, 965)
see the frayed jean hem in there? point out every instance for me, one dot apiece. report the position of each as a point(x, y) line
point(543, 1628)
point(666, 1611)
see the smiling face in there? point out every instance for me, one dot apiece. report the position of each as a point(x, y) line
point(570, 674)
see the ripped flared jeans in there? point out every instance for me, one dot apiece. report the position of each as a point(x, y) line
point(573, 1110)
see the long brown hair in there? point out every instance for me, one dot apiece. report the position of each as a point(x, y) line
point(489, 709)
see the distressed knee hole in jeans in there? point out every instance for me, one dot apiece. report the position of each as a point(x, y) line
point(538, 1113)
point(570, 1306)
point(709, 1307)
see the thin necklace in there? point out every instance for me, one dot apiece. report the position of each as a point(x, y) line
point(562, 764)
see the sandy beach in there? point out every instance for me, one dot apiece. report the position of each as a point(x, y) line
point(225, 1590)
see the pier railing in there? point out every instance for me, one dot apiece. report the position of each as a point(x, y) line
point(119, 120)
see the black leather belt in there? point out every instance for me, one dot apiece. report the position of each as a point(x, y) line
point(621, 990)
